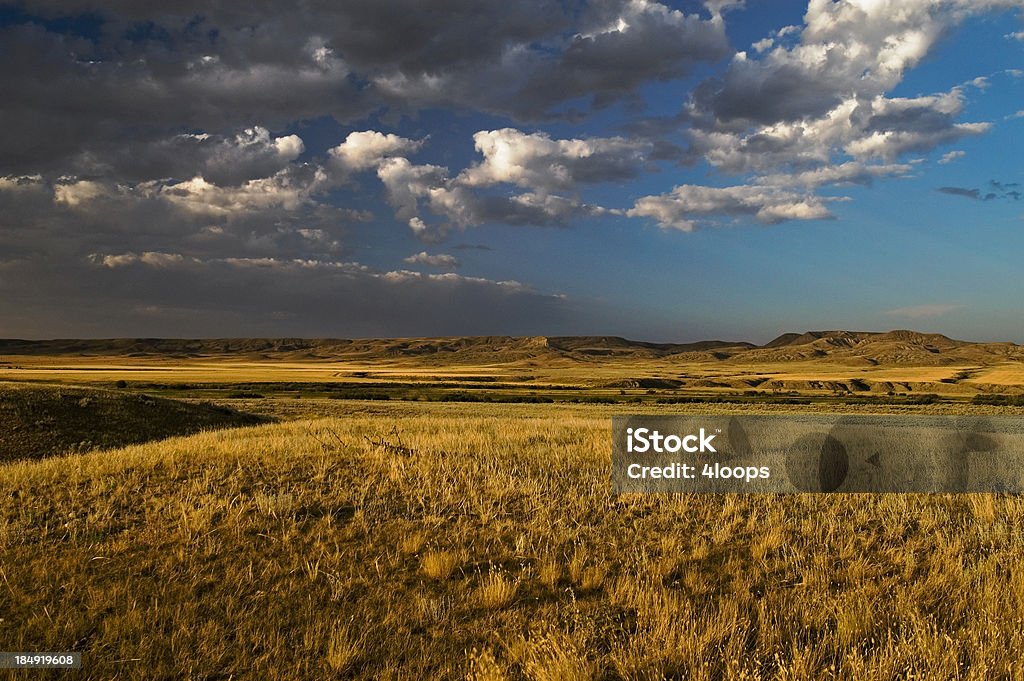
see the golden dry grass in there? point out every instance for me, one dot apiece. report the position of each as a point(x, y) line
point(284, 552)
point(806, 376)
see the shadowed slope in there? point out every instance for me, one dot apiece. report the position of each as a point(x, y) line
point(41, 421)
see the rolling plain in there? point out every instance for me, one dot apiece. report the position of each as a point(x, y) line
point(441, 508)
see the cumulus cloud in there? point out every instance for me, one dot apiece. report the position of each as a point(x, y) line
point(225, 159)
point(150, 258)
point(828, 91)
point(810, 105)
point(189, 80)
point(407, 183)
point(288, 189)
point(951, 156)
point(77, 192)
point(851, 172)
point(280, 215)
point(461, 201)
point(462, 208)
point(216, 69)
point(193, 139)
point(901, 125)
point(537, 162)
point(863, 129)
point(619, 46)
point(815, 92)
point(547, 54)
point(686, 204)
point(13, 183)
point(441, 260)
point(368, 149)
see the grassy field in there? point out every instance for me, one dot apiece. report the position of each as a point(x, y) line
point(407, 540)
point(411, 378)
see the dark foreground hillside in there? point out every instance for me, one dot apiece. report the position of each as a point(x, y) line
point(41, 421)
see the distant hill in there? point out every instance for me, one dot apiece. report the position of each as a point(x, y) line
point(898, 348)
point(444, 349)
point(41, 421)
point(854, 348)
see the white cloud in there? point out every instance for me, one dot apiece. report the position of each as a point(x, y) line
point(407, 276)
point(74, 193)
point(406, 184)
point(851, 172)
point(899, 125)
point(151, 258)
point(774, 146)
point(462, 206)
point(288, 189)
point(442, 260)
point(890, 144)
point(685, 204)
point(537, 162)
point(816, 112)
point(159, 260)
point(368, 149)
point(20, 183)
point(951, 156)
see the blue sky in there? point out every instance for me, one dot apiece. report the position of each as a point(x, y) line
point(662, 171)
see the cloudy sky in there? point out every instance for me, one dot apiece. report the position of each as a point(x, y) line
point(664, 171)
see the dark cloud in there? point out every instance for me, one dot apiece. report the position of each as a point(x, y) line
point(752, 93)
point(149, 183)
point(66, 220)
point(225, 160)
point(963, 191)
point(622, 48)
point(170, 295)
point(1004, 191)
point(1004, 186)
point(71, 100)
point(154, 70)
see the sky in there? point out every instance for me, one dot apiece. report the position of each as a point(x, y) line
point(665, 171)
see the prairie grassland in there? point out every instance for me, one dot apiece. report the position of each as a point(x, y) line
point(601, 373)
point(482, 542)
